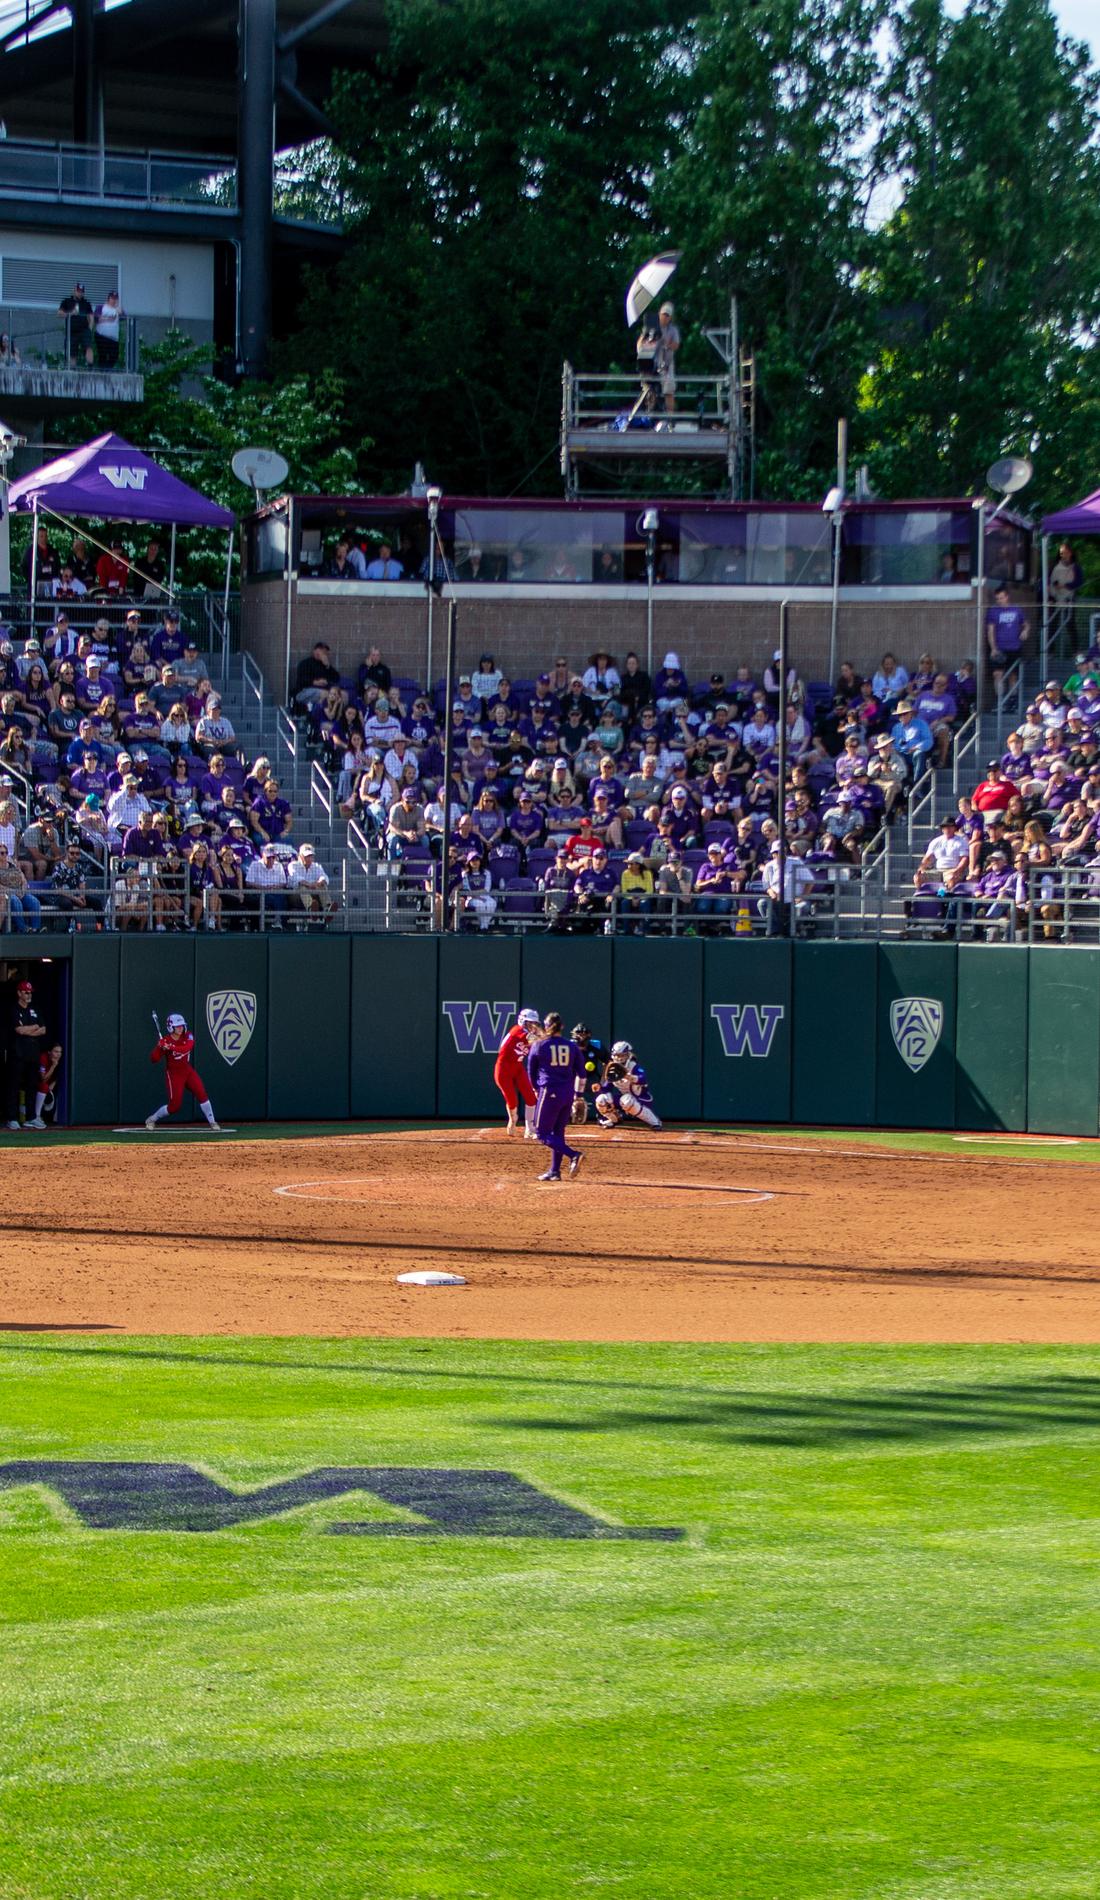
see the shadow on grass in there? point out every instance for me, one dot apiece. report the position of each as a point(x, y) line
point(818, 1420)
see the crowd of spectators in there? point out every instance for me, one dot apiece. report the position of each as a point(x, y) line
point(101, 571)
point(1035, 811)
point(593, 788)
point(124, 795)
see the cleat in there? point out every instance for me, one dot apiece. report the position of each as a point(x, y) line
point(150, 1122)
point(551, 1176)
point(574, 1165)
point(604, 1123)
point(14, 1126)
point(36, 1123)
point(214, 1127)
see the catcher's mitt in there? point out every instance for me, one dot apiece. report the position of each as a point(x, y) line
point(579, 1111)
point(616, 1071)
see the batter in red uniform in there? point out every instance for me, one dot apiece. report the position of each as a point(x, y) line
point(510, 1071)
point(175, 1050)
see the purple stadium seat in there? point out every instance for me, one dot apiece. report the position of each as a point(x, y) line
point(717, 830)
point(637, 833)
point(521, 897)
point(539, 859)
point(504, 863)
point(408, 688)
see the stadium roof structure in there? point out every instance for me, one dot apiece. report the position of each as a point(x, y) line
point(234, 80)
point(164, 75)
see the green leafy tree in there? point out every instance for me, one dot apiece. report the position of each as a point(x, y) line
point(501, 200)
point(770, 199)
point(193, 425)
point(987, 274)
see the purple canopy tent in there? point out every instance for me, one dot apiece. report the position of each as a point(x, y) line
point(112, 479)
point(1082, 518)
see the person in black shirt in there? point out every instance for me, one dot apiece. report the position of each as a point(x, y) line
point(78, 313)
point(314, 677)
point(26, 1036)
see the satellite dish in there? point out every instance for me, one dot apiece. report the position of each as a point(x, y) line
point(260, 468)
point(1010, 474)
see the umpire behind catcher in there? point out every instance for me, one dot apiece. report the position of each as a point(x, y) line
point(26, 1034)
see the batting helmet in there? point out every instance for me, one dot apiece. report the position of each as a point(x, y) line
point(175, 1021)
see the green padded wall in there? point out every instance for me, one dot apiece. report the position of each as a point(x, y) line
point(479, 994)
point(833, 1078)
point(572, 975)
point(915, 1018)
point(94, 1017)
point(231, 1014)
point(308, 1041)
point(1063, 1041)
point(658, 1005)
point(156, 973)
point(746, 1030)
point(394, 1022)
point(991, 1037)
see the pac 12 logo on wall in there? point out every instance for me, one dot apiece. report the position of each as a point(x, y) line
point(478, 1028)
point(747, 1029)
point(231, 1018)
point(916, 1023)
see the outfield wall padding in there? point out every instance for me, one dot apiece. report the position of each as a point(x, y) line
point(311, 1027)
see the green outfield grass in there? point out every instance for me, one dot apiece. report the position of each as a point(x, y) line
point(869, 1668)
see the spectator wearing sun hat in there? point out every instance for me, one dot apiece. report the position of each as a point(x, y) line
point(912, 737)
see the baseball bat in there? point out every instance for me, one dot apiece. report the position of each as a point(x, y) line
point(157, 1027)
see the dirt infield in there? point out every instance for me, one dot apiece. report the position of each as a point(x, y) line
point(673, 1236)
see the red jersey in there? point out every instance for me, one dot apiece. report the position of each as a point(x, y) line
point(176, 1050)
point(514, 1051)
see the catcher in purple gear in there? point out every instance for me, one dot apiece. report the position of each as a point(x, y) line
point(554, 1066)
point(624, 1091)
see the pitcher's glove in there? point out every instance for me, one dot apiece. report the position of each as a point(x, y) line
point(579, 1111)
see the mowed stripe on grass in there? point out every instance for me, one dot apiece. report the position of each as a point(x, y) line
point(867, 1669)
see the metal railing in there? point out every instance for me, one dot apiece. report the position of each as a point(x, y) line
point(192, 604)
point(602, 400)
point(60, 172)
point(965, 744)
point(1063, 904)
point(922, 803)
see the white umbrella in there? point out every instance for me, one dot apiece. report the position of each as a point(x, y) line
point(649, 283)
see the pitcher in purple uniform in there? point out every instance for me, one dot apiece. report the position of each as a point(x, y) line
point(554, 1066)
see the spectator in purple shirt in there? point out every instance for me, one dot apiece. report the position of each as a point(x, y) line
point(142, 840)
point(270, 815)
point(938, 707)
point(714, 887)
point(593, 890)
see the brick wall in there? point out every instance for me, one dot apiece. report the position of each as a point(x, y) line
point(526, 634)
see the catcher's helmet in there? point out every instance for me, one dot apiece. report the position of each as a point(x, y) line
point(175, 1021)
point(579, 1032)
point(621, 1049)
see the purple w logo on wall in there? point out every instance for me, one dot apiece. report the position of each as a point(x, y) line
point(478, 1026)
point(747, 1028)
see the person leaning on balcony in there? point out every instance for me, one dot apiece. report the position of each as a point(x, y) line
point(108, 326)
point(77, 311)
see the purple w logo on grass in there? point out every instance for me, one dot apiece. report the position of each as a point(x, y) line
point(747, 1028)
point(478, 1026)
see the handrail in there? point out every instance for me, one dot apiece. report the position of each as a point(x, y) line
point(358, 844)
point(322, 790)
point(287, 734)
point(966, 740)
point(252, 677)
point(922, 795)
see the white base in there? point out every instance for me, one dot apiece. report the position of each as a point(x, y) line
point(429, 1277)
